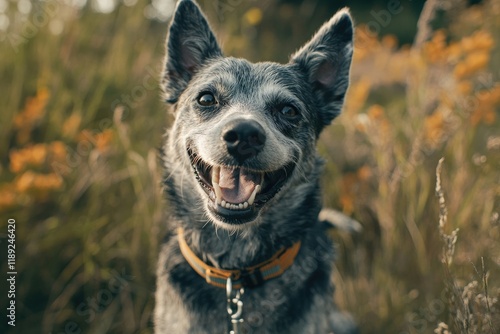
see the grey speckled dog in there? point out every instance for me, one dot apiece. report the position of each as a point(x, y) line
point(243, 182)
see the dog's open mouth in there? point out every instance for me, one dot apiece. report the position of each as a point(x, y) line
point(237, 193)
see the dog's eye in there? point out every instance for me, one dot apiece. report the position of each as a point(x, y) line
point(206, 99)
point(289, 111)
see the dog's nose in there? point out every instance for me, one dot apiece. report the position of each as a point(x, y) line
point(244, 138)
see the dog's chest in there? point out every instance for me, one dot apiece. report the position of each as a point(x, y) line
point(274, 307)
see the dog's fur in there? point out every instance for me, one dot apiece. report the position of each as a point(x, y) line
point(313, 84)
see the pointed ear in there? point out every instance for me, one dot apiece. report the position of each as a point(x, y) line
point(190, 44)
point(326, 61)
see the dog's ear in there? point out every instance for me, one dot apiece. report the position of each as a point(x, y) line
point(326, 60)
point(190, 44)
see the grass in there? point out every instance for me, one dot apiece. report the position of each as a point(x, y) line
point(82, 120)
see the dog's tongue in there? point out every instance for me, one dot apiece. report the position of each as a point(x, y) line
point(237, 184)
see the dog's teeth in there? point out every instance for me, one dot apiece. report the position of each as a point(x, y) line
point(215, 174)
point(252, 197)
point(245, 205)
point(228, 205)
point(215, 183)
point(218, 192)
point(240, 206)
point(223, 203)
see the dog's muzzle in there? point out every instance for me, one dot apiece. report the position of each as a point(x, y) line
point(237, 192)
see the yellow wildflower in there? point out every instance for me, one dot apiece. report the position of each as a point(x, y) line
point(253, 16)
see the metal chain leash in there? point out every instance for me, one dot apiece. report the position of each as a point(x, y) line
point(234, 307)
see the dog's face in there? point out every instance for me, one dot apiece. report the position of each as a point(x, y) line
point(247, 132)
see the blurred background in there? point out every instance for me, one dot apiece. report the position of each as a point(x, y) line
point(81, 122)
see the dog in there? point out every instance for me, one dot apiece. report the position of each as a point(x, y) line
point(249, 254)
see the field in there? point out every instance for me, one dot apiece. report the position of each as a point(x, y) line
point(82, 121)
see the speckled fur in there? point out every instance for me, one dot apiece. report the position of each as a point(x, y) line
point(315, 81)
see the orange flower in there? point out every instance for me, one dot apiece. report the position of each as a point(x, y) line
point(461, 70)
point(434, 50)
point(58, 151)
point(486, 103)
point(375, 112)
point(103, 140)
point(389, 41)
point(36, 182)
point(85, 135)
point(347, 203)
point(47, 182)
point(33, 111)
point(347, 191)
point(34, 155)
point(364, 173)
point(25, 182)
point(7, 197)
point(480, 40)
point(484, 40)
point(477, 61)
